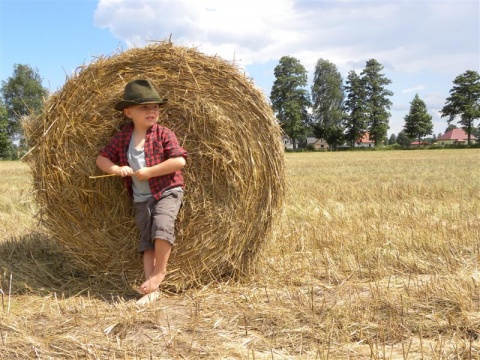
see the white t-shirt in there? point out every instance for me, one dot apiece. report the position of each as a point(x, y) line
point(136, 160)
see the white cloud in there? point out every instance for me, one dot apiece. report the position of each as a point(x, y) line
point(409, 35)
point(412, 89)
point(226, 28)
point(434, 100)
point(427, 42)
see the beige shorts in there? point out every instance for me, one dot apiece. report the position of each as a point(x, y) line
point(155, 219)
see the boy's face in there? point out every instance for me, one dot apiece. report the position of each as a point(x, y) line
point(143, 115)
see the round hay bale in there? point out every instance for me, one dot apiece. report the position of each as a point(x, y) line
point(234, 174)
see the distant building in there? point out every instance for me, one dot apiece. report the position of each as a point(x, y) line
point(419, 143)
point(287, 143)
point(317, 144)
point(455, 136)
point(365, 141)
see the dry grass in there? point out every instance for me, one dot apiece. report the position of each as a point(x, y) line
point(16, 208)
point(376, 257)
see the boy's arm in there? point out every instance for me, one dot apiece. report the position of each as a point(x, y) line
point(164, 168)
point(106, 165)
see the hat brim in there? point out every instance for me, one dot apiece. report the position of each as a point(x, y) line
point(125, 103)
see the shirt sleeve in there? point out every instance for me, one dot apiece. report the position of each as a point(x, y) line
point(171, 146)
point(111, 150)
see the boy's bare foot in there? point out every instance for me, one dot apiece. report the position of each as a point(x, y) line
point(151, 284)
point(147, 299)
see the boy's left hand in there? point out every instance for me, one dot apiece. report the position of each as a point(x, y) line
point(143, 174)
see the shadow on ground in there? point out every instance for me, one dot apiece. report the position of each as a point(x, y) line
point(35, 263)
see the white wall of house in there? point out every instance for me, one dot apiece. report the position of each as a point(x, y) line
point(364, 145)
point(287, 143)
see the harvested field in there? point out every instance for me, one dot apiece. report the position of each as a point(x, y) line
point(376, 256)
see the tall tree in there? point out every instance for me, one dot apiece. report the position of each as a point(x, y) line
point(23, 94)
point(377, 103)
point(6, 145)
point(355, 119)
point(464, 101)
point(418, 122)
point(289, 97)
point(327, 99)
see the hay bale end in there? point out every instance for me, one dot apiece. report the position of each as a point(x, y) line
point(234, 175)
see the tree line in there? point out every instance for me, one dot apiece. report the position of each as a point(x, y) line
point(342, 113)
point(332, 110)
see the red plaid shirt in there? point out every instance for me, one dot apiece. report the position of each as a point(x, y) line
point(160, 144)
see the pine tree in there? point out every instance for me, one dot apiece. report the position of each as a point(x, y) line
point(418, 122)
point(377, 103)
point(290, 100)
point(464, 101)
point(355, 120)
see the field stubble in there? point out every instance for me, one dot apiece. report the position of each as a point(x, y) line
point(375, 257)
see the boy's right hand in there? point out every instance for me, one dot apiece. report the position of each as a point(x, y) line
point(125, 171)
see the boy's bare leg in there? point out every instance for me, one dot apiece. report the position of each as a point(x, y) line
point(148, 263)
point(155, 274)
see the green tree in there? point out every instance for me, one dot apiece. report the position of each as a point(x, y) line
point(418, 122)
point(23, 94)
point(392, 140)
point(289, 97)
point(403, 139)
point(355, 120)
point(476, 131)
point(6, 145)
point(464, 101)
point(327, 98)
point(377, 103)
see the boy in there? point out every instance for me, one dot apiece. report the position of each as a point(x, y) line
point(149, 158)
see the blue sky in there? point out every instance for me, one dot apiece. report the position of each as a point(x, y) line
point(423, 44)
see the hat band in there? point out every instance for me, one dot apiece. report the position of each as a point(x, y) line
point(142, 100)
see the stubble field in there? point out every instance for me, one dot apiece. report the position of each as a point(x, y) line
point(376, 256)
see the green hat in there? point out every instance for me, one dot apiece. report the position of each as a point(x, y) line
point(139, 92)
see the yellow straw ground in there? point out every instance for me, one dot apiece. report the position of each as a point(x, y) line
point(376, 257)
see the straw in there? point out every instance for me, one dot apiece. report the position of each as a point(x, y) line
point(101, 176)
point(234, 174)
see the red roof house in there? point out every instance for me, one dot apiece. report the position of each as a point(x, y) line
point(365, 141)
point(419, 143)
point(455, 136)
